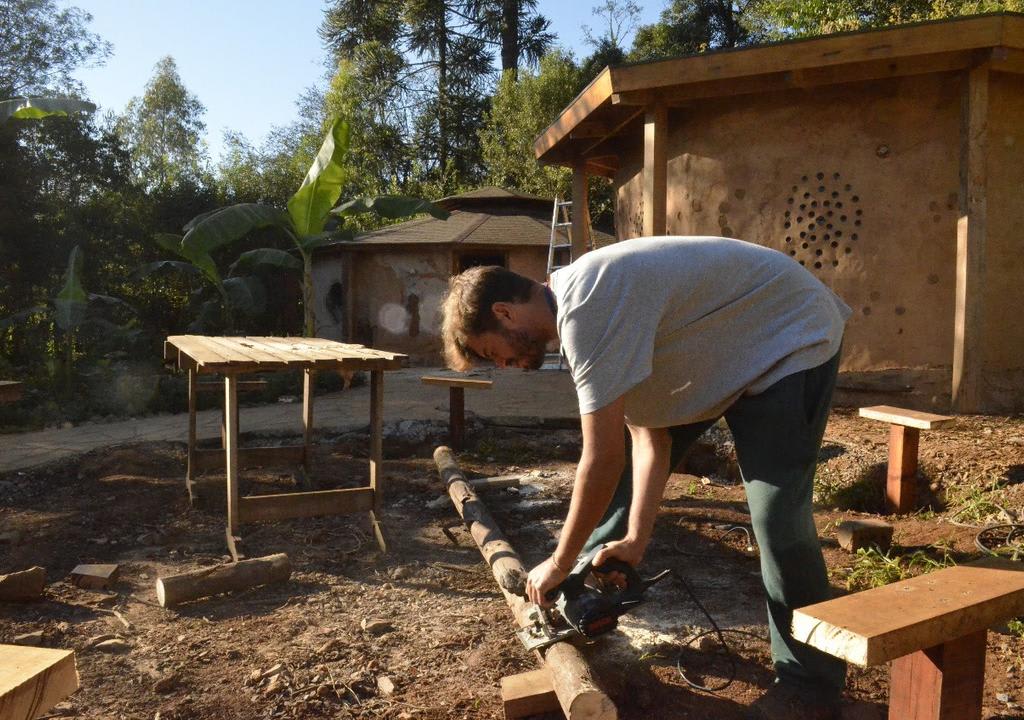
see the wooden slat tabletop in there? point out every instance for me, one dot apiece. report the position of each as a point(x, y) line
point(253, 354)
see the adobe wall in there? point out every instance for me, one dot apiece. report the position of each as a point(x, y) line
point(880, 162)
point(531, 262)
point(1003, 331)
point(397, 300)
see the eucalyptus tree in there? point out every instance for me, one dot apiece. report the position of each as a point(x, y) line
point(164, 130)
point(41, 46)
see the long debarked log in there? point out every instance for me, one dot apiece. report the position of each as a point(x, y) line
point(24, 585)
point(571, 677)
point(242, 575)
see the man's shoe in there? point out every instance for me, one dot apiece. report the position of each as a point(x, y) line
point(786, 702)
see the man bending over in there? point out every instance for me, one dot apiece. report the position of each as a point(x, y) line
point(664, 336)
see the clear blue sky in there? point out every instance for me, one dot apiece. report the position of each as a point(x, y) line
point(247, 62)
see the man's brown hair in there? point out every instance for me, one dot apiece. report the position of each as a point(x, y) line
point(467, 308)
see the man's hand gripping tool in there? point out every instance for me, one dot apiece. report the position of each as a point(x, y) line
point(584, 610)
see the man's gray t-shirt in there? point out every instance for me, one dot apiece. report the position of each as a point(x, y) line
point(682, 326)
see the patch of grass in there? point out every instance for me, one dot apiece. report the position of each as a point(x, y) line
point(972, 501)
point(1016, 626)
point(872, 568)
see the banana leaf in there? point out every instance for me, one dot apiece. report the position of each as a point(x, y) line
point(36, 108)
point(321, 188)
point(271, 257)
point(230, 224)
point(71, 302)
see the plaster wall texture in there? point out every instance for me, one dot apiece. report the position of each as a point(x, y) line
point(532, 262)
point(397, 300)
point(1003, 329)
point(867, 172)
point(330, 318)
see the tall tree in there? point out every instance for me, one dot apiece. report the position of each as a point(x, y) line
point(41, 45)
point(520, 109)
point(421, 69)
point(515, 26)
point(164, 131)
point(693, 26)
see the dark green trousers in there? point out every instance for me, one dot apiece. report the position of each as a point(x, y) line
point(778, 435)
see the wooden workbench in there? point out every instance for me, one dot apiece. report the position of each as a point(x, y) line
point(234, 356)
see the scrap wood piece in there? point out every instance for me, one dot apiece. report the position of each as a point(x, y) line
point(94, 577)
point(23, 585)
point(528, 693)
point(578, 693)
point(10, 391)
point(242, 575)
point(33, 680)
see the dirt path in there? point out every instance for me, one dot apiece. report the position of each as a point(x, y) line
point(544, 394)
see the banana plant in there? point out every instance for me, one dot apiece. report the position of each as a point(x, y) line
point(36, 108)
point(71, 310)
point(304, 222)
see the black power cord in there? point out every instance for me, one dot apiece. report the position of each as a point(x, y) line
point(715, 629)
point(1004, 540)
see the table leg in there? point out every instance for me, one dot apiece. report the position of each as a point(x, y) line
point(901, 479)
point(190, 471)
point(231, 457)
point(456, 417)
point(941, 683)
point(309, 375)
point(377, 451)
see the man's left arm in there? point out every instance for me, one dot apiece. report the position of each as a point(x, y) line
point(597, 475)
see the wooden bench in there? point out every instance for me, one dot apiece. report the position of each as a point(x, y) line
point(10, 391)
point(932, 627)
point(905, 428)
point(456, 403)
point(33, 680)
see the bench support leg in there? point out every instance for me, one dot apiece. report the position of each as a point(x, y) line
point(901, 480)
point(944, 682)
point(456, 417)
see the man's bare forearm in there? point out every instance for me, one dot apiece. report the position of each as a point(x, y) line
point(651, 452)
point(596, 479)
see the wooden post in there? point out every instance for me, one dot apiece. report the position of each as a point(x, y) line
point(308, 378)
point(190, 471)
point(456, 416)
point(571, 677)
point(971, 237)
point(901, 479)
point(231, 456)
point(377, 452)
point(944, 682)
point(580, 230)
point(655, 184)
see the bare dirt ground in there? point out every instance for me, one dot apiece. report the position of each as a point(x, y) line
point(423, 632)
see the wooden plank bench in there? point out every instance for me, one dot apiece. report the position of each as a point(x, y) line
point(33, 680)
point(456, 403)
point(10, 391)
point(905, 428)
point(932, 627)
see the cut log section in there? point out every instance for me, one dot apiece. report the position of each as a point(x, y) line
point(24, 585)
point(33, 680)
point(578, 693)
point(176, 589)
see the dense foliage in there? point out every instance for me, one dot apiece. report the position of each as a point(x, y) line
point(439, 96)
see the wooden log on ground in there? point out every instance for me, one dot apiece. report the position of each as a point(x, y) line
point(23, 585)
point(176, 589)
point(33, 680)
point(571, 677)
point(499, 554)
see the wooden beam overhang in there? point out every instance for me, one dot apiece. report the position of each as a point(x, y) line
point(937, 46)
